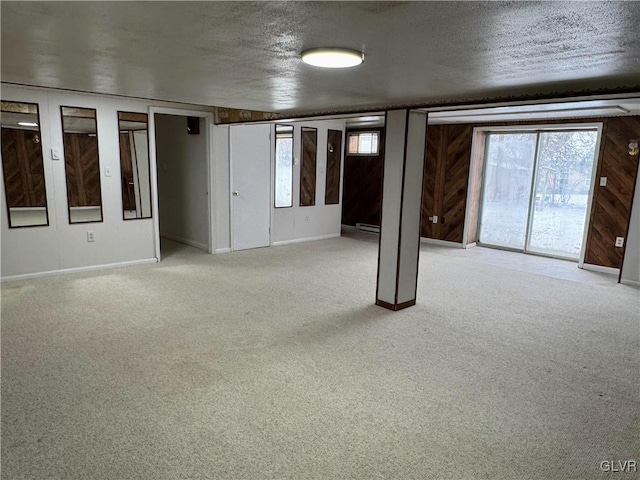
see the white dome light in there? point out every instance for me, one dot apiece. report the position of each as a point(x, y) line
point(332, 57)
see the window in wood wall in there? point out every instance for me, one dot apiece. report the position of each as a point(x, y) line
point(363, 143)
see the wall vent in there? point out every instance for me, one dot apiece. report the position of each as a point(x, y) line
point(365, 227)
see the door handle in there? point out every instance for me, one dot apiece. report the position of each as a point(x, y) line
point(236, 193)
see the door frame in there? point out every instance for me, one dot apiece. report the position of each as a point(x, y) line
point(271, 178)
point(541, 128)
point(154, 169)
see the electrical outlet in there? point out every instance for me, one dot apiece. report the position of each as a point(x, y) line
point(91, 237)
point(619, 241)
point(306, 219)
point(603, 181)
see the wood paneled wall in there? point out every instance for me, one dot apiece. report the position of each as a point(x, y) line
point(448, 160)
point(82, 170)
point(23, 169)
point(446, 177)
point(308, 166)
point(334, 154)
point(362, 185)
point(611, 206)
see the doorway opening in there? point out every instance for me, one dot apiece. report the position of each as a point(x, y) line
point(182, 164)
point(537, 190)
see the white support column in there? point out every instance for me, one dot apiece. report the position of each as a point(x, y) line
point(401, 209)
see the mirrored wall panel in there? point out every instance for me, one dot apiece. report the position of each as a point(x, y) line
point(308, 167)
point(134, 165)
point(334, 156)
point(284, 166)
point(22, 165)
point(82, 164)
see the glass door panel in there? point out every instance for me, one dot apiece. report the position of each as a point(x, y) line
point(507, 189)
point(563, 181)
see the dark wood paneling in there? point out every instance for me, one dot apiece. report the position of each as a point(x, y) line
point(308, 167)
point(362, 185)
point(447, 160)
point(431, 185)
point(126, 173)
point(334, 154)
point(82, 168)
point(456, 180)
point(23, 168)
point(612, 204)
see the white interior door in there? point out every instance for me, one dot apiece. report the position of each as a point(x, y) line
point(250, 185)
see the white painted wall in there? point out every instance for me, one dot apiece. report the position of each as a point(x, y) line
point(61, 245)
point(631, 265)
point(221, 192)
point(182, 181)
point(318, 221)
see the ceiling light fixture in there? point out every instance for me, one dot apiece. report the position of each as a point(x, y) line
point(332, 57)
point(27, 124)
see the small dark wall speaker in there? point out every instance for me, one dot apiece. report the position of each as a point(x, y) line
point(193, 125)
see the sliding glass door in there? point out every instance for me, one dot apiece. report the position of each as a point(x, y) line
point(507, 189)
point(536, 190)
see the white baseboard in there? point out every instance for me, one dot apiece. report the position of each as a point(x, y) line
point(308, 239)
point(469, 245)
point(601, 269)
point(222, 250)
point(633, 283)
point(443, 243)
point(90, 268)
point(191, 243)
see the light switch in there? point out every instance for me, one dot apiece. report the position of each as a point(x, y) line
point(55, 154)
point(603, 181)
point(295, 161)
point(435, 219)
point(107, 171)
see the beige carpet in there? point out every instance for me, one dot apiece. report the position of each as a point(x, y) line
point(274, 363)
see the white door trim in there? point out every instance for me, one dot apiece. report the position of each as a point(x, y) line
point(592, 190)
point(208, 116)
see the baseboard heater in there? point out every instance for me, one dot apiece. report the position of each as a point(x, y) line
point(365, 227)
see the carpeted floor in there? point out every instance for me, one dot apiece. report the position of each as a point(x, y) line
point(274, 363)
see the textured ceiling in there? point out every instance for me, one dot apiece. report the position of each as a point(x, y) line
point(246, 54)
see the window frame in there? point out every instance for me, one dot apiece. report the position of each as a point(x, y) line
point(358, 133)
